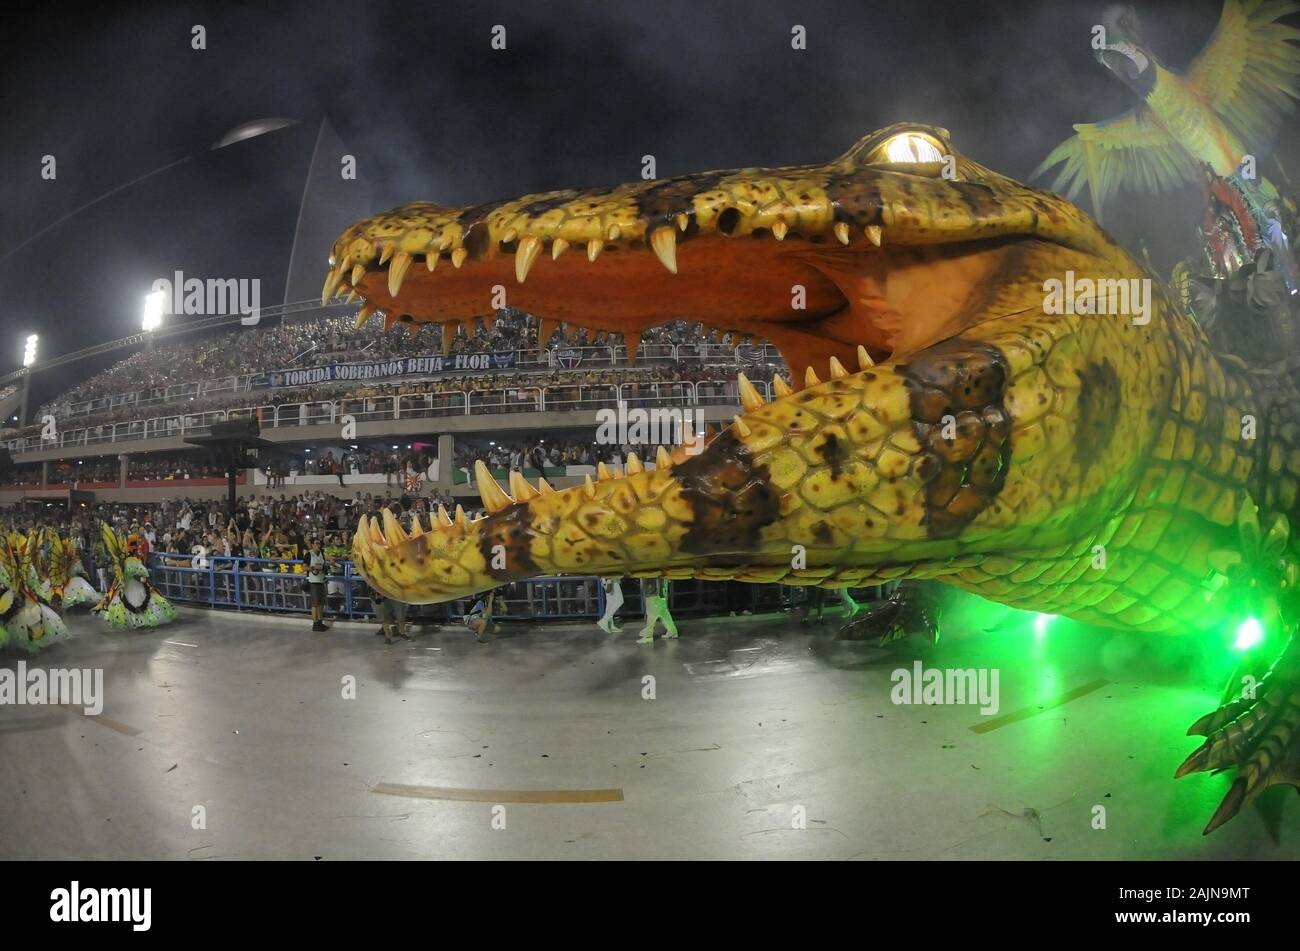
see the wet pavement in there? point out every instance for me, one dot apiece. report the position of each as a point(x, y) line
point(242, 736)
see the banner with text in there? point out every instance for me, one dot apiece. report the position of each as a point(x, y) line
point(399, 367)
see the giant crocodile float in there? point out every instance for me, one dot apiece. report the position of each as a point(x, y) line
point(1009, 425)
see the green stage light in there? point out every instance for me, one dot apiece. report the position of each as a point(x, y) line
point(1249, 633)
point(1041, 621)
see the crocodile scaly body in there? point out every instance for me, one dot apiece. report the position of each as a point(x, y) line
point(982, 441)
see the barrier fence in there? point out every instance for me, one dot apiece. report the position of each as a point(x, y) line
point(274, 586)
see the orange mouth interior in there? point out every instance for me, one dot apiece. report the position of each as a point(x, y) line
point(812, 299)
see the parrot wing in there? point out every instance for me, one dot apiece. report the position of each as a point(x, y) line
point(1130, 152)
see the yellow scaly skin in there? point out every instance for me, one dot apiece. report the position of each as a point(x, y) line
point(992, 447)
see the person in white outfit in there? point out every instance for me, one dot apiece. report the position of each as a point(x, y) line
point(654, 595)
point(613, 601)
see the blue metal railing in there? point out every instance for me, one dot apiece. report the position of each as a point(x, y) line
point(273, 586)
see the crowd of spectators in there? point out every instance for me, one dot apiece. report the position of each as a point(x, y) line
point(332, 340)
point(171, 466)
point(276, 528)
point(361, 460)
point(538, 452)
point(96, 470)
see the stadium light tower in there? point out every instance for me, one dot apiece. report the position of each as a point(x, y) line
point(153, 310)
point(29, 360)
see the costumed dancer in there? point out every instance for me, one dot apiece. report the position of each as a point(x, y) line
point(654, 595)
point(23, 618)
point(132, 601)
point(68, 586)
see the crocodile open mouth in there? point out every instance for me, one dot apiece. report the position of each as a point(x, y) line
point(887, 248)
point(876, 261)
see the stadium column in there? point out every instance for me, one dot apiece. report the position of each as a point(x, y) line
point(122, 468)
point(45, 474)
point(446, 472)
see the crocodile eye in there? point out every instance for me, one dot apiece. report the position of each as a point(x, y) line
point(918, 153)
point(911, 147)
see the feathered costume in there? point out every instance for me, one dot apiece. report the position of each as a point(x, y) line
point(1226, 104)
point(23, 618)
point(65, 584)
point(132, 601)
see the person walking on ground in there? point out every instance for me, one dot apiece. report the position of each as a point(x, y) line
point(613, 601)
point(817, 603)
point(317, 570)
point(654, 595)
point(392, 617)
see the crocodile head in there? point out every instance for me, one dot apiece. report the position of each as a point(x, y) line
point(978, 435)
point(885, 247)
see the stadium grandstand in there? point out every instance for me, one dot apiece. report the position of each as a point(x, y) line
point(421, 417)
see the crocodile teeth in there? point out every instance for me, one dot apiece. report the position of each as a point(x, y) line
point(750, 398)
point(588, 487)
point(375, 533)
point(602, 472)
point(594, 247)
point(445, 241)
point(544, 487)
point(874, 234)
point(842, 232)
point(525, 255)
point(740, 426)
point(397, 272)
point(558, 247)
point(458, 257)
point(361, 535)
point(520, 488)
point(634, 464)
point(664, 242)
point(837, 370)
point(462, 520)
point(614, 233)
point(810, 378)
point(494, 497)
point(416, 528)
point(780, 387)
point(394, 534)
point(358, 273)
point(512, 234)
point(662, 459)
point(443, 518)
point(779, 230)
point(331, 284)
point(386, 252)
point(683, 221)
point(864, 358)
point(431, 259)
point(365, 313)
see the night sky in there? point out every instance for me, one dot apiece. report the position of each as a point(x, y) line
point(431, 111)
